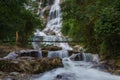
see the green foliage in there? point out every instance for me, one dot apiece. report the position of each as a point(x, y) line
point(107, 29)
point(15, 16)
point(79, 17)
point(96, 23)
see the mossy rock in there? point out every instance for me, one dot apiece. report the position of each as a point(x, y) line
point(8, 66)
point(117, 72)
point(72, 52)
point(44, 53)
point(117, 63)
point(52, 48)
point(34, 66)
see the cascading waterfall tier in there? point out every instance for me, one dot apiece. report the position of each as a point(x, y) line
point(58, 54)
point(53, 26)
point(54, 20)
point(73, 72)
point(86, 57)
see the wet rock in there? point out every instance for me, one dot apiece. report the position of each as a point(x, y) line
point(29, 65)
point(11, 55)
point(8, 66)
point(77, 48)
point(52, 48)
point(72, 52)
point(117, 63)
point(78, 57)
point(30, 53)
point(2, 74)
point(44, 53)
point(117, 72)
point(35, 53)
point(65, 76)
point(110, 65)
point(59, 76)
point(14, 73)
point(15, 76)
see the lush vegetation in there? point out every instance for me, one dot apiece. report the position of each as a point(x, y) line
point(18, 16)
point(96, 23)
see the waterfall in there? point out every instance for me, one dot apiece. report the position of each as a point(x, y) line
point(82, 69)
point(86, 57)
point(58, 54)
point(73, 72)
point(52, 31)
point(54, 20)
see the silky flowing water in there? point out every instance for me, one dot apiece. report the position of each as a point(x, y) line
point(52, 31)
point(72, 70)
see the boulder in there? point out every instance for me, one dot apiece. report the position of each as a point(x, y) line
point(14, 76)
point(29, 53)
point(29, 65)
point(65, 76)
point(11, 55)
point(77, 48)
point(52, 48)
point(44, 53)
point(117, 63)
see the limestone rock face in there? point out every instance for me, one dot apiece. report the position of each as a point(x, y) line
point(29, 65)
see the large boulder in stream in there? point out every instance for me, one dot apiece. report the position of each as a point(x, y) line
point(51, 48)
point(29, 65)
point(22, 53)
point(66, 76)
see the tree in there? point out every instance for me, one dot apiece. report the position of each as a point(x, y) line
point(14, 16)
point(95, 23)
point(107, 29)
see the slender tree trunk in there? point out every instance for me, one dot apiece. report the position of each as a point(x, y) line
point(17, 38)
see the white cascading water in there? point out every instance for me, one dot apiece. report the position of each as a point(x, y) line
point(73, 72)
point(54, 25)
point(58, 54)
point(54, 21)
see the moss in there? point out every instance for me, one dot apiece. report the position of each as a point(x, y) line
point(34, 66)
point(44, 53)
point(117, 63)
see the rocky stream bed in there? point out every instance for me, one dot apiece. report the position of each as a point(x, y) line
point(25, 66)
